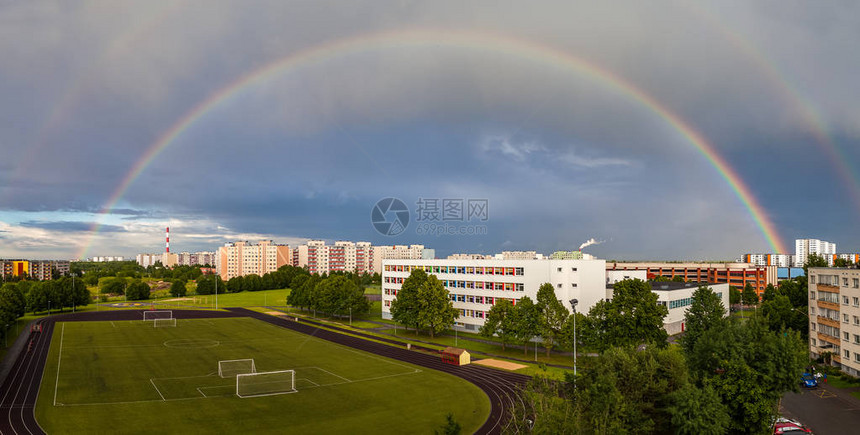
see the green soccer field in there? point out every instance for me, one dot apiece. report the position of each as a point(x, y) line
point(130, 377)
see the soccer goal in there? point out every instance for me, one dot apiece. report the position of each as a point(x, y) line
point(160, 314)
point(160, 323)
point(234, 367)
point(266, 383)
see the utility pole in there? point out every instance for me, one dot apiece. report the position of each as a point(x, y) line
point(573, 303)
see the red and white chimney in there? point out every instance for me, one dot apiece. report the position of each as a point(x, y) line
point(167, 242)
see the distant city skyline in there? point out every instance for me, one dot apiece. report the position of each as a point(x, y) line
point(691, 131)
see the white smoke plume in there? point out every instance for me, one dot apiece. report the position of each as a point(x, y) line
point(590, 242)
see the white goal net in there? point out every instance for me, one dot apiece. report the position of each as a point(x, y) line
point(266, 383)
point(157, 314)
point(234, 367)
point(159, 323)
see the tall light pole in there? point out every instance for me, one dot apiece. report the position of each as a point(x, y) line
point(573, 303)
point(216, 290)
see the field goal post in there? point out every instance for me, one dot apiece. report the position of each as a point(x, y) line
point(266, 383)
point(158, 323)
point(157, 314)
point(235, 367)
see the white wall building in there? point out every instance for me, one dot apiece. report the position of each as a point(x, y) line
point(476, 285)
point(804, 247)
point(677, 297)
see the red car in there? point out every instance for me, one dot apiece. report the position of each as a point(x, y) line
point(789, 427)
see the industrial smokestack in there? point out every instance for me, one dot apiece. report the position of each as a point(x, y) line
point(167, 242)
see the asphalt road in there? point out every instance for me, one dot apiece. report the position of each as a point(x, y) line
point(822, 411)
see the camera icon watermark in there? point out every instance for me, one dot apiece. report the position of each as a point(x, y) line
point(434, 216)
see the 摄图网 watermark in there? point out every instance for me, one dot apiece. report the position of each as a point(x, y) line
point(433, 216)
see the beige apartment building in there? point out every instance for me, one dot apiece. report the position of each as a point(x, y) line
point(241, 258)
point(834, 316)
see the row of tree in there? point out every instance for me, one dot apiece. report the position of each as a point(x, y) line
point(726, 377)
point(336, 295)
point(630, 318)
point(424, 304)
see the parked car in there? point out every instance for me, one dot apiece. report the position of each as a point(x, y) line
point(808, 381)
point(785, 426)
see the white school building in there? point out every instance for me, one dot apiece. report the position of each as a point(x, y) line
point(475, 285)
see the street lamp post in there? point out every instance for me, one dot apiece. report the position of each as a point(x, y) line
point(573, 303)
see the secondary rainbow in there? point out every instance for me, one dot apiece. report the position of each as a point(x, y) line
point(450, 39)
point(805, 108)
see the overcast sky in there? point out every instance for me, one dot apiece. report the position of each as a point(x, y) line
point(428, 100)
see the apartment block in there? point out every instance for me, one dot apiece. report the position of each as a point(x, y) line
point(779, 260)
point(242, 258)
point(34, 269)
point(834, 316)
point(804, 247)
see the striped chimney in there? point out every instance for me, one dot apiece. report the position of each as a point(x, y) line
point(167, 245)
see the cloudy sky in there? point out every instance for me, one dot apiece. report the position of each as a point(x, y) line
point(568, 120)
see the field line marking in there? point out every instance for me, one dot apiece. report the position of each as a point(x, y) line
point(305, 379)
point(113, 324)
point(201, 392)
point(324, 370)
point(156, 389)
point(59, 359)
point(121, 402)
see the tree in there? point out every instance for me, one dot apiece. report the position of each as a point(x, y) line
point(235, 284)
point(770, 292)
point(734, 295)
point(813, 260)
point(435, 309)
point(340, 296)
point(780, 315)
point(626, 389)
point(13, 299)
point(749, 296)
point(252, 283)
point(552, 315)
point(206, 285)
point(451, 427)
point(405, 307)
point(750, 367)
point(114, 286)
point(501, 321)
point(842, 262)
point(697, 411)
point(177, 289)
point(706, 311)
point(630, 318)
point(678, 278)
point(137, 291)
point(527, 322)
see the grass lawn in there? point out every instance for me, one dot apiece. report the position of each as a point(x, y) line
point(243, 299)
point(108, 377)
point(373, 289)
point(840, 381)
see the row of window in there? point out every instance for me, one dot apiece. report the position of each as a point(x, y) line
point(845, 353)
point(479, 285)
point(467, 270)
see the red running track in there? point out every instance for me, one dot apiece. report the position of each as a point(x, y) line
point(19, 390)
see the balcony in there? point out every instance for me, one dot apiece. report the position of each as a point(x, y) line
point(836, 358)
point(827, 304)
point(828, 321)
point(829, 339)
point(828, 288)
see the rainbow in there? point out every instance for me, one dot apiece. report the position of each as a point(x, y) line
point(448, 39)
point(803, 107)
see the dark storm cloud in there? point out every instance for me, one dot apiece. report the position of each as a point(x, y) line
point(68, 226)
point(561, 155)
